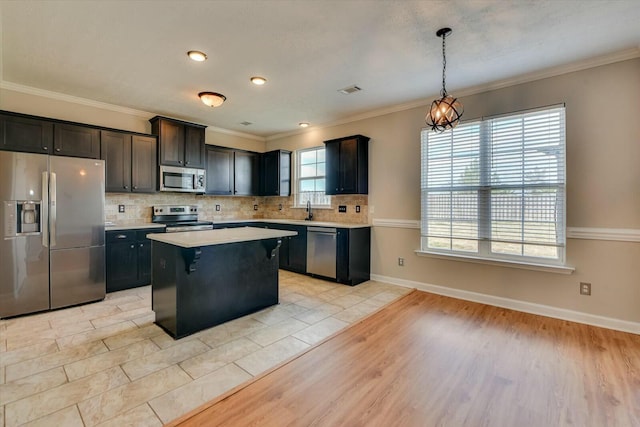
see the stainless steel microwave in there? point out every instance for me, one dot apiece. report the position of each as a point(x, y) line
point(186, 180)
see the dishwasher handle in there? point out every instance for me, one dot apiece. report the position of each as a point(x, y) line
point(321, 230)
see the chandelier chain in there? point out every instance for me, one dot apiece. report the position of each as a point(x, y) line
point(443, 92)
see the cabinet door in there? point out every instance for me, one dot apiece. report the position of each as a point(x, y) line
point(122, 265)
point(246, 169)
point(348, 167)
point(76, 141)
point(219, 171)
point(332, 172)
point(298, 250)
point(269, 174)
point(144, 262)
point(284, 253)
point(194, 147)
point(171, 140)
point(115, 150)
point(25, 134)
point(143, 164)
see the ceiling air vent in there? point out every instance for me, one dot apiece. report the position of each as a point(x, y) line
point(349, 90)
point(246, 123)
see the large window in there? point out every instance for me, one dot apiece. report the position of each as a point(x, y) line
point(495, 188)
point(310, 174)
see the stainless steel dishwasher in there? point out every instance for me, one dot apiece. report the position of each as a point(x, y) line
point(321, 251)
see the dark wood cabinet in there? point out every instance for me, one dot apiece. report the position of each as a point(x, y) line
point(275, 173)
point(128, 258)
point(144, 168)
point(76, 141)
point(219, 171)
point(353, 255)
point(293, 250)
point(232, 172)
point(130, 162)
point(347, 165)
point(25, 134)
point(246, 169)
point(181, 144)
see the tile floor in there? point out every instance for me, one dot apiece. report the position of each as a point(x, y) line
point(108, 364)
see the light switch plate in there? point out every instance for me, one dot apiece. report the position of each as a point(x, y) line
point(121, 208)
point(357, 208)
point(217, 208)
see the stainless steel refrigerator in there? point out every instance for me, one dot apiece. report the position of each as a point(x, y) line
point(52, 251)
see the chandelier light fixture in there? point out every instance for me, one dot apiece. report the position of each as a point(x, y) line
point(444, 113)
point(212, 99)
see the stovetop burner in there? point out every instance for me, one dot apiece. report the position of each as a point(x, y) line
point(179, 218)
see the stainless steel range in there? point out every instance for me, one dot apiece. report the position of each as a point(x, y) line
point(179, 218)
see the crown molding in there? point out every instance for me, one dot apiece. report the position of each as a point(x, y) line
point(474, 90)
point(106, 106)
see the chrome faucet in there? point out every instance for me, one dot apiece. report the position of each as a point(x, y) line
point(309, 214)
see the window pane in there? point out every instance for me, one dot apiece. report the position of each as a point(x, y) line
point(321, 155)
point(307, 157)
point(307, 171)
point(320, 170)
point(320, 185)
point(464, 245)
point(307, 185)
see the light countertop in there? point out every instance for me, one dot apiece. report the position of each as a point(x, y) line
point(298, 222)
point(192, 239)
point(130, 225)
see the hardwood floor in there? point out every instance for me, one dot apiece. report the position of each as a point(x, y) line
point(428, 360)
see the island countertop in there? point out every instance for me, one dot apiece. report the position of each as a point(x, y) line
point(193, 239)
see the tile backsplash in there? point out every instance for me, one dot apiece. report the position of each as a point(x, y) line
point(138, 207)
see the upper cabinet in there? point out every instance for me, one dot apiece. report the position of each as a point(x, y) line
point(275, 173)
point(347, 165)
point(232, 172)
point(25, 134)
point(180, 143)
point(76, 141)
point(130, 162)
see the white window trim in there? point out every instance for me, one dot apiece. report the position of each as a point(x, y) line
point(296, 177)
point(515, 261)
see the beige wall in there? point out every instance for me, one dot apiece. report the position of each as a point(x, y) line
point(603, 190)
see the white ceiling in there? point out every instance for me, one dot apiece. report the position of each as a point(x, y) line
point(133, 53)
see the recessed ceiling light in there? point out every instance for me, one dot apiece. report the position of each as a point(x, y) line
point(212, 99)
point(303, 124)
point(257, 80)
point(196, 55)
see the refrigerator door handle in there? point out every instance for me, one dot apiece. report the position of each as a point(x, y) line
point(52, 209)
point(44, 217)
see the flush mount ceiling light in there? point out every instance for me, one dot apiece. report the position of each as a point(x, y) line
point(303, 124)
point(212, 99)
point(445, 113)
point(257, 80)
point(196, 55)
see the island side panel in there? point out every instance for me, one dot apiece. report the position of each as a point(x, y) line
point(164, 295)
point(226, 282)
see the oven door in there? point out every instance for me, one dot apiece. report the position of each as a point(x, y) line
point(182, 179)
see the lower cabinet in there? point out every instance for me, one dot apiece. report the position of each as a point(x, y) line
point(293, 250)
point(353, 263)
point(128, 258)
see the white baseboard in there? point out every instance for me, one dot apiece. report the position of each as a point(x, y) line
point(526, 307)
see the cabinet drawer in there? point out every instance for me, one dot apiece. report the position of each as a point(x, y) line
point(121, 236)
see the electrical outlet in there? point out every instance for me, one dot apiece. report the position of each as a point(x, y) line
point(585, 288)
point(217, 208)
point(280, 207)
point(401, 262)
point(357, 208)
point(342, 208)
point(121, 208)
point(255, 207)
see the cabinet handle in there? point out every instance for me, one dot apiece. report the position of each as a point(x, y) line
point(121, 236)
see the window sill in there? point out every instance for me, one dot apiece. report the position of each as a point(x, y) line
point(561, 269)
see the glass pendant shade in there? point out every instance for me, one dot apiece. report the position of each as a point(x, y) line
point(212, 99)
point(444, 113)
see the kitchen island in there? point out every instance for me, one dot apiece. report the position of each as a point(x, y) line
point(200, 279)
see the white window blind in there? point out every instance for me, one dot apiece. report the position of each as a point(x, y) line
point(495, 188)
point(310, 174)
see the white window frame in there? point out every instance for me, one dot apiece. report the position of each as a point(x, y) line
point(484, 187)
point(321, 200)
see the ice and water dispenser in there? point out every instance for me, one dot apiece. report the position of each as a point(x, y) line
point(22, 218)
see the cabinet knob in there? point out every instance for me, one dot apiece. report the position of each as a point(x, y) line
point(133, 246)
point(141, 244)
point(45, 148)
point(186, 163)
point(126, 187)
point(57, 149)
point(180, 161)
point(135, 187)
